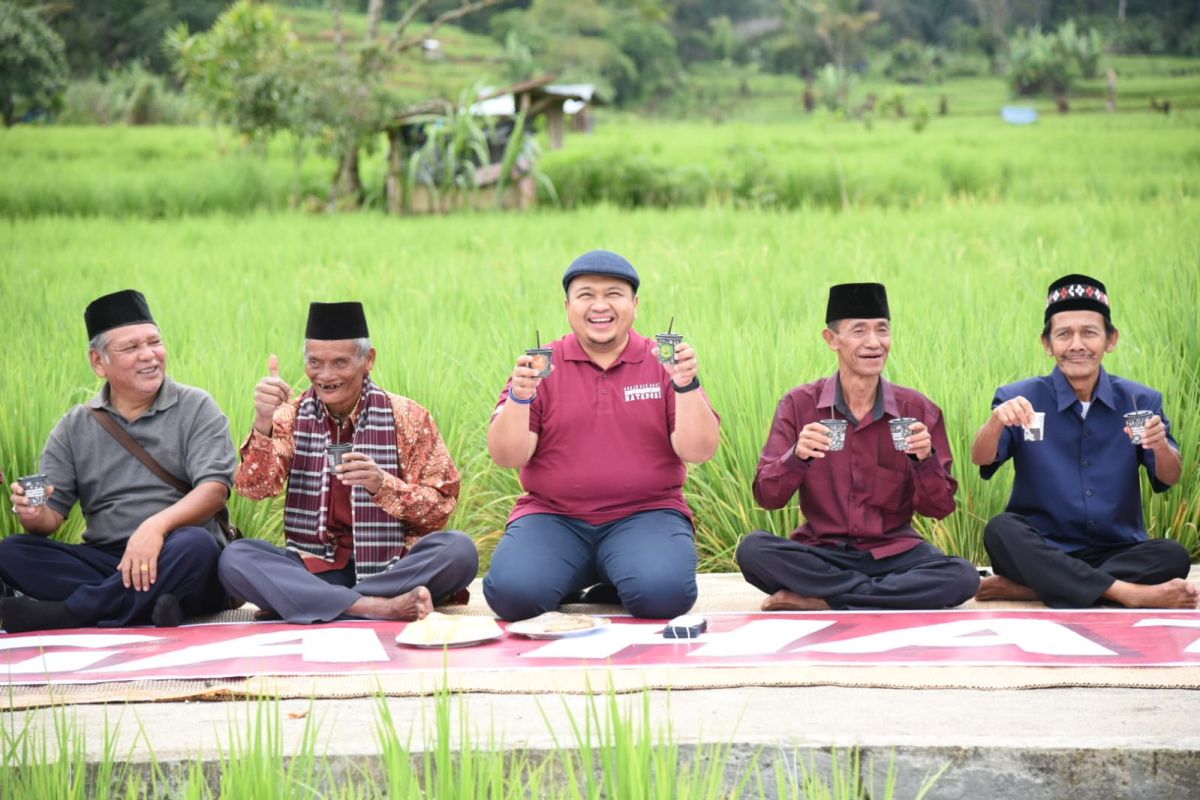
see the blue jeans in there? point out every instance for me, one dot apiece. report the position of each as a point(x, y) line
point(649, 557)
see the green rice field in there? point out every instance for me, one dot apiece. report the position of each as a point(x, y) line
point(452, 300)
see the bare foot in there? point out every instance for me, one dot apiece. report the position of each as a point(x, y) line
point(998, 587)
point(1175, 593)
point(783, 600)
point(415, 604)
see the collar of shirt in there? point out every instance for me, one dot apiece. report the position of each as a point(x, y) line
point(1065, 393)
point(634, 352)
point(832, 398)
point(168, 395)
point(351, 421)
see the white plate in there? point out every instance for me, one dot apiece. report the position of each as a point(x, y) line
point(533, 630)
point(400, 639)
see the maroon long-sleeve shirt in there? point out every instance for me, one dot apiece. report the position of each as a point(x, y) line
point(865, 494)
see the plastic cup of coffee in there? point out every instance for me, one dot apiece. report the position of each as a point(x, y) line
point(667, 344)
point(543, 359)
point(900, 430)
point(837, 433)
point(1136, 422)
point(335, 453)
point(1037, 431)
point(35, 489)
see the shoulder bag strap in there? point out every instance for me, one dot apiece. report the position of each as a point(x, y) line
point(129, 443)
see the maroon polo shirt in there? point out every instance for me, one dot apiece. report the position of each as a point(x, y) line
point(604, 437)
point(867, 493)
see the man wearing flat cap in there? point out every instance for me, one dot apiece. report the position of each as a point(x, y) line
point(149, 551)
point(1072, 534)
point(601, 444)
point(362, 528)
point(857, 548)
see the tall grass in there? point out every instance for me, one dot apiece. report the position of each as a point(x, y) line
point(451, 302)
point(615, 752)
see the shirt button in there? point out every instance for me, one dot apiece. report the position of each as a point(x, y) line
point(856, 463)
point(604, 391)
point(1091, 523)
point(1087, 432)
point(1085, 464)
point(1088, 493)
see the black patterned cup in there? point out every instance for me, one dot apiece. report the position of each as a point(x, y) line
point(335, 453)
point(35, 489)
point(901, 429)
point(837, 433)
point(1136, 422)
point(543, 360)
point(667, 344)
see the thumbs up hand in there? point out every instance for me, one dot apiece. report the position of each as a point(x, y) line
point(270, 393)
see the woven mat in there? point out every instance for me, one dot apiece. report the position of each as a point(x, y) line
point(620, 681)
point(718, 592)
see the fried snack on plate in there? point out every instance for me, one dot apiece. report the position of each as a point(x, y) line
point(444, 629)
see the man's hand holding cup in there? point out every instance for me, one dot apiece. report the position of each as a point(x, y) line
point(813, 442)
point(270, 393)
point(1017, 411)
point(525, 379)
point(26, 510)
point(685, 366)
point(358, 469)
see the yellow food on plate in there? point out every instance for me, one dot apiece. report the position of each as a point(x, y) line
point(440, 628)
point(558, 622)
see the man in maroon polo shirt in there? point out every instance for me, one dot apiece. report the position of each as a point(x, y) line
point(857, 547)
point(601, 444)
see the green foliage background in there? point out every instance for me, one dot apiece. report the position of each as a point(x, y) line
point(452, 301)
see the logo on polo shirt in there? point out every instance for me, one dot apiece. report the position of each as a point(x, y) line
point(643, 391)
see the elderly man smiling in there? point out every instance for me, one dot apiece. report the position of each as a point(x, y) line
point(857, 547)
point(363, 536)
point(601, 443)
point(149, 551)
point(1072, 534)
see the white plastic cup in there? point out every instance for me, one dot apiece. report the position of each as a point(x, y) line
point(1037, 431)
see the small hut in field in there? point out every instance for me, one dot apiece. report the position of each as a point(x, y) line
point(409, 131)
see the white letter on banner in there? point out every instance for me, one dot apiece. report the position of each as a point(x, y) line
point(1030, 635)
point(323, 645)
point(1167, 622)
point(760, 637)
point(46, 663)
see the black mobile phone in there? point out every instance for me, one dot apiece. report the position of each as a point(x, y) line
point(687, 626)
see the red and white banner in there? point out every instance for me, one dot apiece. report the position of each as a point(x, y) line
point(863, 638)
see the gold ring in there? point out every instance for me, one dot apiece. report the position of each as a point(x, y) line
point(145, 567)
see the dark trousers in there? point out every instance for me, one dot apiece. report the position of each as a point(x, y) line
point(649, 557)
point(921, 578)
point(277, 579)
point(86, 576)
point(1077, 579)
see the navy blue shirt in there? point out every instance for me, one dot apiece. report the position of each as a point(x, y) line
point(1079, 486)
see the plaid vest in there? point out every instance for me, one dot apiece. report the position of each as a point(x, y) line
point(378, 537)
